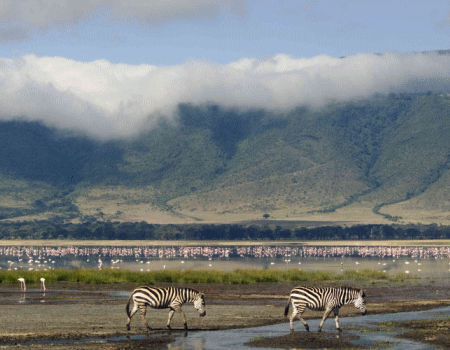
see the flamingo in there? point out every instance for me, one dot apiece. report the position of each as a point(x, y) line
point(43, 284)
point(22, 284)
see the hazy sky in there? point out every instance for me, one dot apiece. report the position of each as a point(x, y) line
point(108, 66)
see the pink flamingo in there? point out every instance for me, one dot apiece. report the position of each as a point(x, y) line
point(22, 284)
point(43, 284)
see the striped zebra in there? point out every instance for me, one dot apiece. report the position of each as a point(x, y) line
point(323, 299)
point(164, 298)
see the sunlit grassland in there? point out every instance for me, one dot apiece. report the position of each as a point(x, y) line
point(241, 276)
point(166, 243)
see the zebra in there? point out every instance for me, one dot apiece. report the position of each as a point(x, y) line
point(323, 299)
point(164, 298)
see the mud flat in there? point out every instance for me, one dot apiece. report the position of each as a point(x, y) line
point(68, 313)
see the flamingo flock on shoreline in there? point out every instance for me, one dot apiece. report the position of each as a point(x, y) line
point(43, 258)
point(45, 255)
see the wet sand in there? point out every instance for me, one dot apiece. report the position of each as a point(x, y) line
point(78, 311)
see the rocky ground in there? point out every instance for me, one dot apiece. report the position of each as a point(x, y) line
point(70, 312)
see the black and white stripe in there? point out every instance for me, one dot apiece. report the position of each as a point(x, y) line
point(164, 298)
point(323, 299)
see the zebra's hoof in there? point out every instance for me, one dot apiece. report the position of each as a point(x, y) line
point(319, 330)
point(128, 328)
point(339, 330)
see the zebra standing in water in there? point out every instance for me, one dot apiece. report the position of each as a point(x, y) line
point(164, 298)
point(323, 299)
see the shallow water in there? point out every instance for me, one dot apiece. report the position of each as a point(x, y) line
point(235, 339)
point(421, 261)
point(54, 296)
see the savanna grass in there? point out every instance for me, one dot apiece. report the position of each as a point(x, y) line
point(92, 276)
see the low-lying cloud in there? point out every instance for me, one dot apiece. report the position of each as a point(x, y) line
point(25, 19)
point(113, 100)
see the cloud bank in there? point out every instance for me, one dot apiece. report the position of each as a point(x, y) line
point(24, 19)
point(118, 100)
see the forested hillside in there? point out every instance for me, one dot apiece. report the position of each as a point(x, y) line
point(212, 162)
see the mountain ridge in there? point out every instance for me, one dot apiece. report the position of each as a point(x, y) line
point(387, 156)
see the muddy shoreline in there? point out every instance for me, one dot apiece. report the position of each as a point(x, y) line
point(71, 311)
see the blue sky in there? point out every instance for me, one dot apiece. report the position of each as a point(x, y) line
point(113, 67)
point(223, 31)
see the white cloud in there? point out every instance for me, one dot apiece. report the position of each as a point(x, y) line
point(26, 18)
point(105, 99)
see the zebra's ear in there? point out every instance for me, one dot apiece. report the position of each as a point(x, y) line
point(202, 295)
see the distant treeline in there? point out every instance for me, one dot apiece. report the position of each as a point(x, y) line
point(99, 230)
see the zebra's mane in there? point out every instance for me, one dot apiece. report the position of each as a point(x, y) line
point(191, 291)
point(190, 294)
point(350, 289)
point(353, 292)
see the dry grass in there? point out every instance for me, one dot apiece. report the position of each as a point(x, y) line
point(126, 205)
point(416, 216)
point(134, 205)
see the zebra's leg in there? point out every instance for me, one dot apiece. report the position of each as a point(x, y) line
point(336, 318)
point(143, 312)
point(171, 312)
point(325, 316)
point(184, 318)
point(291, 319)
point(133, 311)
point(298, 311)
point(304, 322)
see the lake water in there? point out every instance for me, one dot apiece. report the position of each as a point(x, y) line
point(421, 261)
point(371, 338)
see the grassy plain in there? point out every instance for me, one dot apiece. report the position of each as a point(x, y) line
point(131, 205)
point(118, 203)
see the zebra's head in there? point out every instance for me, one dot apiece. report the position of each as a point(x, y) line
point(360, 302)
point(199, 304)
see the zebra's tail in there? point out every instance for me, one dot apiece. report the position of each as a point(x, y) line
point(286, 309)
point(127, 308)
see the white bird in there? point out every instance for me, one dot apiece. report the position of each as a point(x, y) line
point(43, 284)
point(22, 284)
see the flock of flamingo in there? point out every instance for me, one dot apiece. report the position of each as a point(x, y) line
point(44, 258)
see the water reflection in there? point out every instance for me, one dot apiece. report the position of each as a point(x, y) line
point(184, 344)
point(423, 261)
point(22, 298)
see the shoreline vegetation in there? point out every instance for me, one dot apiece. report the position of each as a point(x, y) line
point(262, 230)
point(240, 276)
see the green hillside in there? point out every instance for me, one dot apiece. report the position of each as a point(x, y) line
point(373, 153)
